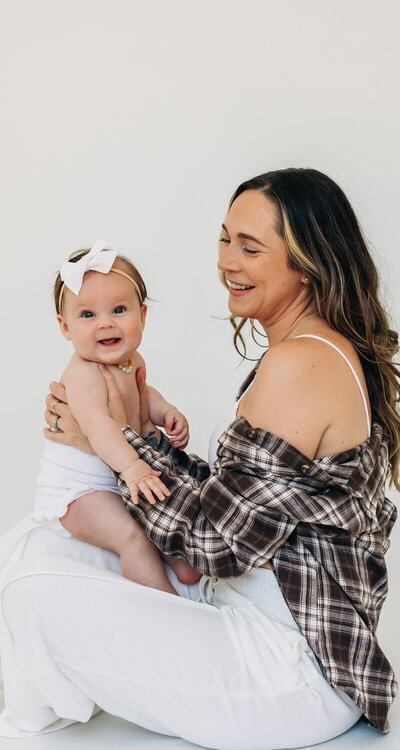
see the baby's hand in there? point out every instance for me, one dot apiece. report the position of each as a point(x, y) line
point(176, 427)
point(141, 477)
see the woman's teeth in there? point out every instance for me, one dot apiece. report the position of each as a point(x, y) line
point(238, 286)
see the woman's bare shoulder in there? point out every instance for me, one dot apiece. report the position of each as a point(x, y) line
point(292, 392)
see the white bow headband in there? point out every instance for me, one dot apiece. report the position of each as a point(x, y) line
point(97, 259)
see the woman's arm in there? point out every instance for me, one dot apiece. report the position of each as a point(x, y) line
point(248, 507)
point(225, 525)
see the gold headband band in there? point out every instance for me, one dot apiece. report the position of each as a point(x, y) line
point(114, 270)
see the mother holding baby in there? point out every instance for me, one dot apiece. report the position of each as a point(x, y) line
point(275, 646)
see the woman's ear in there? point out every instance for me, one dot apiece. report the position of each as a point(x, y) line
point(143, 313)
point(63, 327)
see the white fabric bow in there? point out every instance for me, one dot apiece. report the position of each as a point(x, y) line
point(98, 259)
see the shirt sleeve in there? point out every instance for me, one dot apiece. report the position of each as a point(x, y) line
point(223, 525)
point(184, 463)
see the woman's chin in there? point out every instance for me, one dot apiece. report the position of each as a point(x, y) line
point(238, 307)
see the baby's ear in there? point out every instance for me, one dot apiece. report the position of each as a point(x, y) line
point(63, 327)
point(143, 313)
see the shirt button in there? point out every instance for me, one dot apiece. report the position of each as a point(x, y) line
point(251, 434)
point(304, 468)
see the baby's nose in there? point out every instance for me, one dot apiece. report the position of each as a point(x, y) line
point(105, 321)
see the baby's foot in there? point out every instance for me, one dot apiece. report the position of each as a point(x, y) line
point(184, 572)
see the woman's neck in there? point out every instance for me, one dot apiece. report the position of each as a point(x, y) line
point(290, 324)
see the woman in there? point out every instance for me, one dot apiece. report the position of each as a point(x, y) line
point(276, 646)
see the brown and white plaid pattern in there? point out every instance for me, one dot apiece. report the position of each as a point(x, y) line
point(324, 526)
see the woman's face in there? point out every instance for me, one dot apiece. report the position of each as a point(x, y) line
point(253, 255)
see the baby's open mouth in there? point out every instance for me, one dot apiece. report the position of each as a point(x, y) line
point(108, 342)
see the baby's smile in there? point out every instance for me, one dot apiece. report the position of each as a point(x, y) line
point(109, 342)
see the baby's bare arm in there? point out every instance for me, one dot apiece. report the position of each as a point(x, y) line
point(158, 406)
point(168, 416)
point(87, 397)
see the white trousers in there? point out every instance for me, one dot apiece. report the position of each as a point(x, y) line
point(209, 666)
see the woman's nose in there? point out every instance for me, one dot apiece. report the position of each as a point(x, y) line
point(228, 260)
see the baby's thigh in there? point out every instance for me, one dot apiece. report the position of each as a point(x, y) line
point(100, 518)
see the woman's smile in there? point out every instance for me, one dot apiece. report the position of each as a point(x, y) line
point(238, 290)
point(254, 261)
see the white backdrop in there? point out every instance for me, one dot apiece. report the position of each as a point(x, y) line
point(135, 121)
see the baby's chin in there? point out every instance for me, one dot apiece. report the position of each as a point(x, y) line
point(106, 358)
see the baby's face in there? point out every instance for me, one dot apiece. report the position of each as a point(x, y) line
point(105, 321)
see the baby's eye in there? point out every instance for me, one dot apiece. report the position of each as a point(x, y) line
point(119, 309)
point(87, 314)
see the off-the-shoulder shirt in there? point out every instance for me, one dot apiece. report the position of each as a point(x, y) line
point(322, 524)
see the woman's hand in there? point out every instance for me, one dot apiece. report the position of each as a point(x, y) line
point(146, 425)
point(62, 426)
point(115, 403)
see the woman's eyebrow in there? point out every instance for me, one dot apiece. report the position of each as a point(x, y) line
point(244, 236)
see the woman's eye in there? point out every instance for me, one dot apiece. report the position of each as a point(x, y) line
point(87, 314)
point(119, 309)
point(250, 252)
point(223, 239)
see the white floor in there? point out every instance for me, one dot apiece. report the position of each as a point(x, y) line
point(104, 731)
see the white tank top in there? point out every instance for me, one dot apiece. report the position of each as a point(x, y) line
point(231, 415)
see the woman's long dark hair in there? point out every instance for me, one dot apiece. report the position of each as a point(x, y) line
point(324, 240)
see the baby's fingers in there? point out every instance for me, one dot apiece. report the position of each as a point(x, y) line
point(146, 491)
point(158, 488)
point(134, 495)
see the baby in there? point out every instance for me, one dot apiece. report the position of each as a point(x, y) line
point(99, 298)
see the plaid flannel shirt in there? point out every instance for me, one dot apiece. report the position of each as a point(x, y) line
point(323, 525)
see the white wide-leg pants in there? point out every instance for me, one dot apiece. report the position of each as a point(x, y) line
point(76, 635)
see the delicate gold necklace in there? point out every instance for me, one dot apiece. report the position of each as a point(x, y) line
point(297, 322)
point(129, 367)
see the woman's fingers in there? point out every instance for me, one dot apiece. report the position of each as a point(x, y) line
point(111, 383)
point(58, 392)
point(58, 408)
point(143, 395)
point(115, 403)
point(51, 402)
point(53, 420)
point(54, 437)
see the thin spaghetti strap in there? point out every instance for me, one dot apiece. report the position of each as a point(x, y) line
point(311, 336)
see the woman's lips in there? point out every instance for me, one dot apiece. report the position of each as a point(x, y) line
point(239, 292)
point(109, 342)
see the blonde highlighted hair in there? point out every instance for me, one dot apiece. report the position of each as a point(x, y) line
point(324, 241)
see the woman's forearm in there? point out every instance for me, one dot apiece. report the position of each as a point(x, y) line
point(219, 525)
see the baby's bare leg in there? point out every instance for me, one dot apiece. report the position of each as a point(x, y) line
point(101, 518)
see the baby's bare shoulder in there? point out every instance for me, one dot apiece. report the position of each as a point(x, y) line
point(82, 368)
